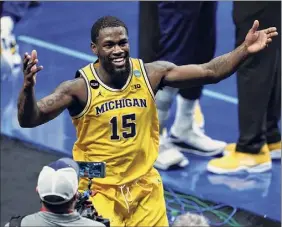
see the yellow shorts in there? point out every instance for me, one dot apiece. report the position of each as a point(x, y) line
point(139, 203)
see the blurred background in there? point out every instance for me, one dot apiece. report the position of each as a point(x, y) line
point(60, 32)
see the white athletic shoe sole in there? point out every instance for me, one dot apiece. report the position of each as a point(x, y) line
point(170, 157)
point(250, 169)
point(189, 148)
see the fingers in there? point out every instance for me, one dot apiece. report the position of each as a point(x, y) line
point(31, 69)
point(39, 68)
point(272, 34)
point(31, 64)
point(33, 55)
point(255, 26)
point(36, 69)
point(28, 57)
point(26, 60)
point(30, 78)
point(270, 30)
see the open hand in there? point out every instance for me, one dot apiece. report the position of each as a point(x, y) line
point(30, 68)
point(258, 40)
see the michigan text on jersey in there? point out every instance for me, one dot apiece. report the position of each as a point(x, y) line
point(120, 103)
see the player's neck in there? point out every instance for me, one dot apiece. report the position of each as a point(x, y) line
point(112, 81)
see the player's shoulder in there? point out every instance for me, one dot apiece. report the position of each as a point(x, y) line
point(71, 85)
point(154, 66)
point(87, 66)
point(158, 66)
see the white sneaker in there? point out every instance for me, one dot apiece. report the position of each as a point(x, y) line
point(198, 143)
point(169, 156)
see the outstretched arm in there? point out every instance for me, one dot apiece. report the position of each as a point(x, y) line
point(168, 74)
point(31, 112)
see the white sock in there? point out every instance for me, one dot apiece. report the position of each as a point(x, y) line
point(7, 25)
point(184, 117)
point(164, 99)
point(163, 116)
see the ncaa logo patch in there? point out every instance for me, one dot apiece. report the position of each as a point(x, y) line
point(137, 73)
point(94, 84)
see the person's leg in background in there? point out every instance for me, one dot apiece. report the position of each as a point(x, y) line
point(148, 51)
point(177, 26)
point(183, 27)
point(186, 131)
point(259, 106)
point(273, 117)
point(148, 31)
point(273, 135)
point(12, 13)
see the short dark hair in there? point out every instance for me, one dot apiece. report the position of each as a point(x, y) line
point(105, 22)
point(61, 208)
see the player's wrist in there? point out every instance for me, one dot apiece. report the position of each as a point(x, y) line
point(244, 48)
point(27, 87)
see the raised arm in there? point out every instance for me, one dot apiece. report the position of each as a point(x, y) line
point(163, 73)
point(31, 112)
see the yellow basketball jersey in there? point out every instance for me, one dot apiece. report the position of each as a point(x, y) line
point(118, 126)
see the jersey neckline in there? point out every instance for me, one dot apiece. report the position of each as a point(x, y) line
point(108, 87)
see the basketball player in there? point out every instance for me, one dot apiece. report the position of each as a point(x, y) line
point(111, 102)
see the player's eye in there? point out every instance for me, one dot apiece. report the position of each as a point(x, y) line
point(109, 45)
point(123, 42)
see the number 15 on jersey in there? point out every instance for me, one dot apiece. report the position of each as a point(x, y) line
point(128, 127)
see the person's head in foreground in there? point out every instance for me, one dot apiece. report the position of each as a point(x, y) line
point(190, 219)
point(57, 186)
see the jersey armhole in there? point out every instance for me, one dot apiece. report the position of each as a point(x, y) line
point(81, 73)
point(146, 78)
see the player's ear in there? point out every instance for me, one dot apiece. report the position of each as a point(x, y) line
point(94, 48)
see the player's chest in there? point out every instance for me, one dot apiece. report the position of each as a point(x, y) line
point(133, 101)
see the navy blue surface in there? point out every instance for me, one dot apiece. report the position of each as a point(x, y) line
point(258, 193)
point(55, 25)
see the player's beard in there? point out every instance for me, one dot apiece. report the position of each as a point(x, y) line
point(119, 75)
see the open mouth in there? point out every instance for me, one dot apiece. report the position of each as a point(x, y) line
point(118, 61)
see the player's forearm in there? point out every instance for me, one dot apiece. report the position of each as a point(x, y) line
point(225, 65)
point(28, 111)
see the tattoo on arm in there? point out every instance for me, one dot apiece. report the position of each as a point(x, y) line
point(56, 97)
point(225, 65)
point(32, 113)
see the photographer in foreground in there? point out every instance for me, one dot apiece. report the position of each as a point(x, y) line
point(58, 191)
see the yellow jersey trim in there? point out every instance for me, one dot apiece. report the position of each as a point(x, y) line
point(146, 78)
point(89, 96)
